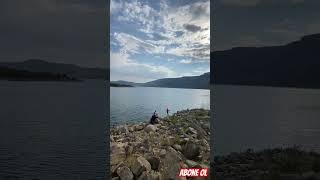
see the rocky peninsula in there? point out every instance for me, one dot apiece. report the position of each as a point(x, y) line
point(142, 151)
point(270, 164)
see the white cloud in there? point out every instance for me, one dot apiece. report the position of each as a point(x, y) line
point(125, 68)
point(132, 44)
point(197, 72)
point(182, 31)
point(185, 61)
point(135, 11)
point(181, 19)
point(166, 23)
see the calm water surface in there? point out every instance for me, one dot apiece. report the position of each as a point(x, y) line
point(265, 117)
point(52, 130)
point(138, 103)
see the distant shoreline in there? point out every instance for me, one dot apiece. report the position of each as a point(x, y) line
point(161, 87)
point(11, 74)
point(119, 85)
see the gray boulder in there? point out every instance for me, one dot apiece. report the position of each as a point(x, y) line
point(171, 163)
point(150, 128)
point(125, 173)
point(173, 156)
point(138, 127)
point(140, 165)
point(191, 150)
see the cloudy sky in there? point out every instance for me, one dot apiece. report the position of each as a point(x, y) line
point(263, 22)
point(67, 31)
point(157, 39)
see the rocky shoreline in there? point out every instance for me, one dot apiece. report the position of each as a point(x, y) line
point(143, 151)
point(270, 164)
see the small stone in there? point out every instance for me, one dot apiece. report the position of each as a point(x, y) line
point(191, 130)
point(185, 140)
point(131, 129)
point(177, 147)
point(138, 127)
point(156, 151)
point(163, 153)
point(125, 173)
point(171, 140)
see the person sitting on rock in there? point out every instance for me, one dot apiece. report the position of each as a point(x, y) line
point(154, 118)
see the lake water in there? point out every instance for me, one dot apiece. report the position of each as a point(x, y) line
point(53, 130)
point(138, 103)
point(265, 117)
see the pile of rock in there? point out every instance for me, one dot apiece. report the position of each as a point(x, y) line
point(156, 152)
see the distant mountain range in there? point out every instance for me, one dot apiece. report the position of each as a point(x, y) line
point(194, 82)
point(37, 66)
point(296, 64)
point(22, 75)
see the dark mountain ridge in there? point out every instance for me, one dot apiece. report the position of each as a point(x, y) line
point(295, 64)
point(36, 65)
point(192, 82)
point(22, 75)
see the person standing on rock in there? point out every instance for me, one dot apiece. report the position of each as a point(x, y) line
point(168, 111)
